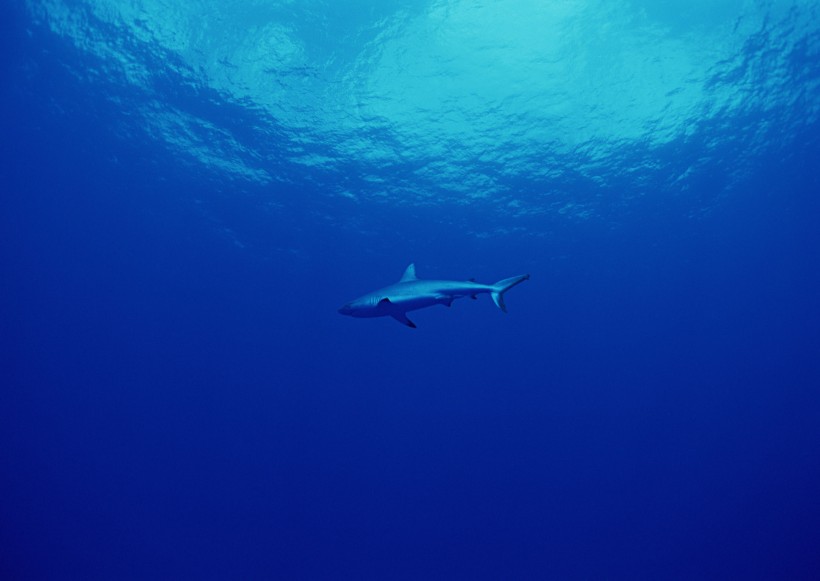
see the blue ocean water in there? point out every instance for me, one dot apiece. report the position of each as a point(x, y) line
point(190, 190)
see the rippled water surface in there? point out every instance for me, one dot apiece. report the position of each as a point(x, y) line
point(517, 105)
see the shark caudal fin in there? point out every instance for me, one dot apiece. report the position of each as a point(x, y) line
point(503, 286)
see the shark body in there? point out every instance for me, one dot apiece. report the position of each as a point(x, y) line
point(411, 293)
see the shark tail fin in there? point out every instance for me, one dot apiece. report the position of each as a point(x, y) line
point(503, 286)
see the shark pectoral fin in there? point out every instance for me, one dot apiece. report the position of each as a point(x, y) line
point(402, 318)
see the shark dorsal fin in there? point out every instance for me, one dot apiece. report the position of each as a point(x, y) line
point(409, 274)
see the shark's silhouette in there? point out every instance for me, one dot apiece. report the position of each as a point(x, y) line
point(410, 294)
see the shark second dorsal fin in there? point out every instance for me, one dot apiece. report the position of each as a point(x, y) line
point(409, 274)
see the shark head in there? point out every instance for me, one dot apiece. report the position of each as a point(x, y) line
point(377, 304)
point(367, 306)
point(346, 309)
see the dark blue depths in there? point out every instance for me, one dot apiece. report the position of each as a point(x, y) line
point(181, 400)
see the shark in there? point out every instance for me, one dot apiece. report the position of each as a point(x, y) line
point(411, 293)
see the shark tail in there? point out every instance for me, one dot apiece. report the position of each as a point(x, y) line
point(503, 286)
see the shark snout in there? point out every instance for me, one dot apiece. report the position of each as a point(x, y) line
point(346, 309)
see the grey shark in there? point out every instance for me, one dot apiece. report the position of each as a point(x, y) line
point(410, 294)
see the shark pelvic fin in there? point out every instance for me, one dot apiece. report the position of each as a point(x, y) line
point(402, 318)
point(446, 300)
point(409, 274)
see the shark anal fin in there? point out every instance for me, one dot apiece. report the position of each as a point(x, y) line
point(402, 318)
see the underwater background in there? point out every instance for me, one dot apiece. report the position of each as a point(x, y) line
point(190, 190)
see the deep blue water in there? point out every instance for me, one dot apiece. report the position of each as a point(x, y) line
point(190, 192)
